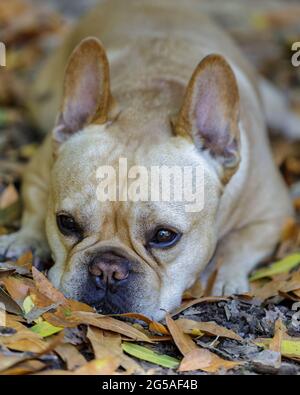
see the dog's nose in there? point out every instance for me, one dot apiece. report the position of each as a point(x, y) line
point(109, 271)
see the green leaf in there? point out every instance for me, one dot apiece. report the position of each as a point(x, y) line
point(45, 329)
point(148, 355)
point(28, 304)
point(283, 266)
point(289, 348)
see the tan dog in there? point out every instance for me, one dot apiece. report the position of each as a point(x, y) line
point(137, 100)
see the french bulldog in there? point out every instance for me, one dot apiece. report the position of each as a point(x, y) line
point(164, 87)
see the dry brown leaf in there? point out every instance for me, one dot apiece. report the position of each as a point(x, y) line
point(7, 361)
point(211, 328)
point(71, 356)
point(297, 293)
point(183, 342)
point(293, 165)
point(44, 286)
point(24, 341)
point(107, 344)
point(202, 359)
point(158, 328)
point(104, 366)
point(290, 230)
point(195, 292)
point(107, 323)
point(153, 325)
point(25, 260)
point(276, 342)
point(285, 283)
point(26, 367)
point(8, 197)
point(17, 288)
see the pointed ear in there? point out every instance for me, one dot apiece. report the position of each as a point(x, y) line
point(210, 112)
point(86, 90)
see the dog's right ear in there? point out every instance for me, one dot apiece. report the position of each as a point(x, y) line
point(86, 90)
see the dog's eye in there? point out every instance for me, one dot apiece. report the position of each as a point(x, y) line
point(67, 225)
point(164, 238)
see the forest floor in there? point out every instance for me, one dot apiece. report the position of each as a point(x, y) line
point(43, 332)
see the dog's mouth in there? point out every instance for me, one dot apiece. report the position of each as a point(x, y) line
point(113, 304)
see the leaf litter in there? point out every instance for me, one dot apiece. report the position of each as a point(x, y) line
point(42, 332)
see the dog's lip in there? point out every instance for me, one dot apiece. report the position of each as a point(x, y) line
point(106, 306)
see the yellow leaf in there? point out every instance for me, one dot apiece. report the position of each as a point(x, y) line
point(151, 356)
point(45, 329)
point(283, 266)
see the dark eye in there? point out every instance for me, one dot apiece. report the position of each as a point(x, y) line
point(164, 238)
point(67, 225)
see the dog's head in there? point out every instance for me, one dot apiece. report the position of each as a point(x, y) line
point(118, 245)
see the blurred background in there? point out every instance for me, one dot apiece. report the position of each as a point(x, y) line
point(264, 29)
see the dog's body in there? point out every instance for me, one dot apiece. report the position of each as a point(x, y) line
point(153, 49)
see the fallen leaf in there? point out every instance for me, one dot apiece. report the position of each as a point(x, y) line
point(8, 197)
point(276, 342)
point(289, 348)
point(18, 289)
point(202, 359)
point(148, 355)
point(71, 356)
point(183, 342)
point(10, 305)
point(23, 340)
point(45, 329)
point(107, 344)
point(153, 325)
point(211, 328)
point(26, 367)
point(44, 286)
point(104, 366)
point(283, 266)
point(7, 361)
point(272, 288)
point(158, 328)
point(99, 321)
point(195, 292)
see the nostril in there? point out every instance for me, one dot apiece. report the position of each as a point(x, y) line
point(119, 275)
point(95, 270)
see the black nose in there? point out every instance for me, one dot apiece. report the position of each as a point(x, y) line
point(109, 270)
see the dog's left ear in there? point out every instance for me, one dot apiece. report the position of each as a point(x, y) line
point(86, 90)
point(210, 111)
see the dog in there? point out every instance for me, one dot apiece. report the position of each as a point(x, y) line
point(157, 83)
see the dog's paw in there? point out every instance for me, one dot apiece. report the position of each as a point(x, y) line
point(230, 283)
point(14, 245)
